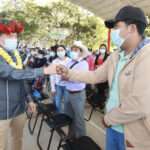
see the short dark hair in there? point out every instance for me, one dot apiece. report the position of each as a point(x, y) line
point(41, 52)
point(90, 49)
point(104, 46)
point(54, 48)
point(140, 25)
point(62, 47)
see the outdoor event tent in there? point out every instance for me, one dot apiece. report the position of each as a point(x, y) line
point(106, 9)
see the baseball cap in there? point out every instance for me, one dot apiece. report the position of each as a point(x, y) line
point(127, 12)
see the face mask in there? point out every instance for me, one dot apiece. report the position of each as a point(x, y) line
point(28, 55)
point(32, 53)
point(52, 54)
point(61, 54)
point(40, 57)
point(74, 56)
point(102, 51)
point(116, 39)
point(89, 53)
point(10, 44)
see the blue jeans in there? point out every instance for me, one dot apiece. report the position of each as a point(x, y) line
point(114, 140)
point(60, 93)
point(53, 98)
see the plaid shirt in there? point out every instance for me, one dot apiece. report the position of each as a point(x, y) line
point(143, 43)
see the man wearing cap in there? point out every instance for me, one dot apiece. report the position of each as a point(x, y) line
point(75, 96)
point(127, 117)
point(13, 89)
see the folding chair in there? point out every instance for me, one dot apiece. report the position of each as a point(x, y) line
point(50, 107)
point(82, 143)
point(93, 98)
point(61, 120)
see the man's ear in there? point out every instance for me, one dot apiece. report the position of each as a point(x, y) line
point(133, 28)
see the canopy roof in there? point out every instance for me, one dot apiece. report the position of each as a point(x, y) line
point(107, 9)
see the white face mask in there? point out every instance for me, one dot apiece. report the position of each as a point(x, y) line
point(10, 44)
point(32, 53)
point(61, 54)
point(89, 53)
point(52, 54)
point(74, 55)
point(102, 51)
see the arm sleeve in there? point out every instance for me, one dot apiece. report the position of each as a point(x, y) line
point(90, 77)
point(52, 82)
point(10, 73)
point(27, 92)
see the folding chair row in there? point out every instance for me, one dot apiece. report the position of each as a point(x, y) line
point(56, 124)
point(61, 120)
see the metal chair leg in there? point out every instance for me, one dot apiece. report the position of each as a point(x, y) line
point(90, 114)
point(39, 133)
point(29, 123)
point(50, 139)
point(37, 116)
point(59, 146)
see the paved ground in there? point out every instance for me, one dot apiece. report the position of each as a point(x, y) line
point(94, 129)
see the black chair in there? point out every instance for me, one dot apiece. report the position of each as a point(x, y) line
point(50, 107)
point(95, 100)
point(61, 120)
point(82, 143)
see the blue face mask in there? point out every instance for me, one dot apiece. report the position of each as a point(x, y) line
point(74, 56)
point(52, 54)
point(117, 40)
point(10, 44)
point(40, 57)
point(89, 53)
point(102, 51)
point(61, 54)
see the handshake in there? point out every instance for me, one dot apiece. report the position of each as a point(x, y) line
point(53, 69)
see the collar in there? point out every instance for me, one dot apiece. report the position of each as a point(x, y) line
point(121, 53)
point(143, 43)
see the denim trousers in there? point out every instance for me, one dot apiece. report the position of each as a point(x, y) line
point(60, 95)
point(114, 140)
point(53, 98)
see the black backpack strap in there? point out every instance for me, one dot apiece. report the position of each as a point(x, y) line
point(75, 64)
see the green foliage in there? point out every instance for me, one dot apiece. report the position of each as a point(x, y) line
point(39, 21)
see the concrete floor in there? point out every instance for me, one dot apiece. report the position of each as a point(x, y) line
point(94, 127)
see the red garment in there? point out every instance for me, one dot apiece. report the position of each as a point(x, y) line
point(100, 61)
point(90, 60)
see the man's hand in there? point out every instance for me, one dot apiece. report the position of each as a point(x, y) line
point(32, 107)
point(63, 71)
point(54, 93)
point(50, 70)
point(104, 124)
